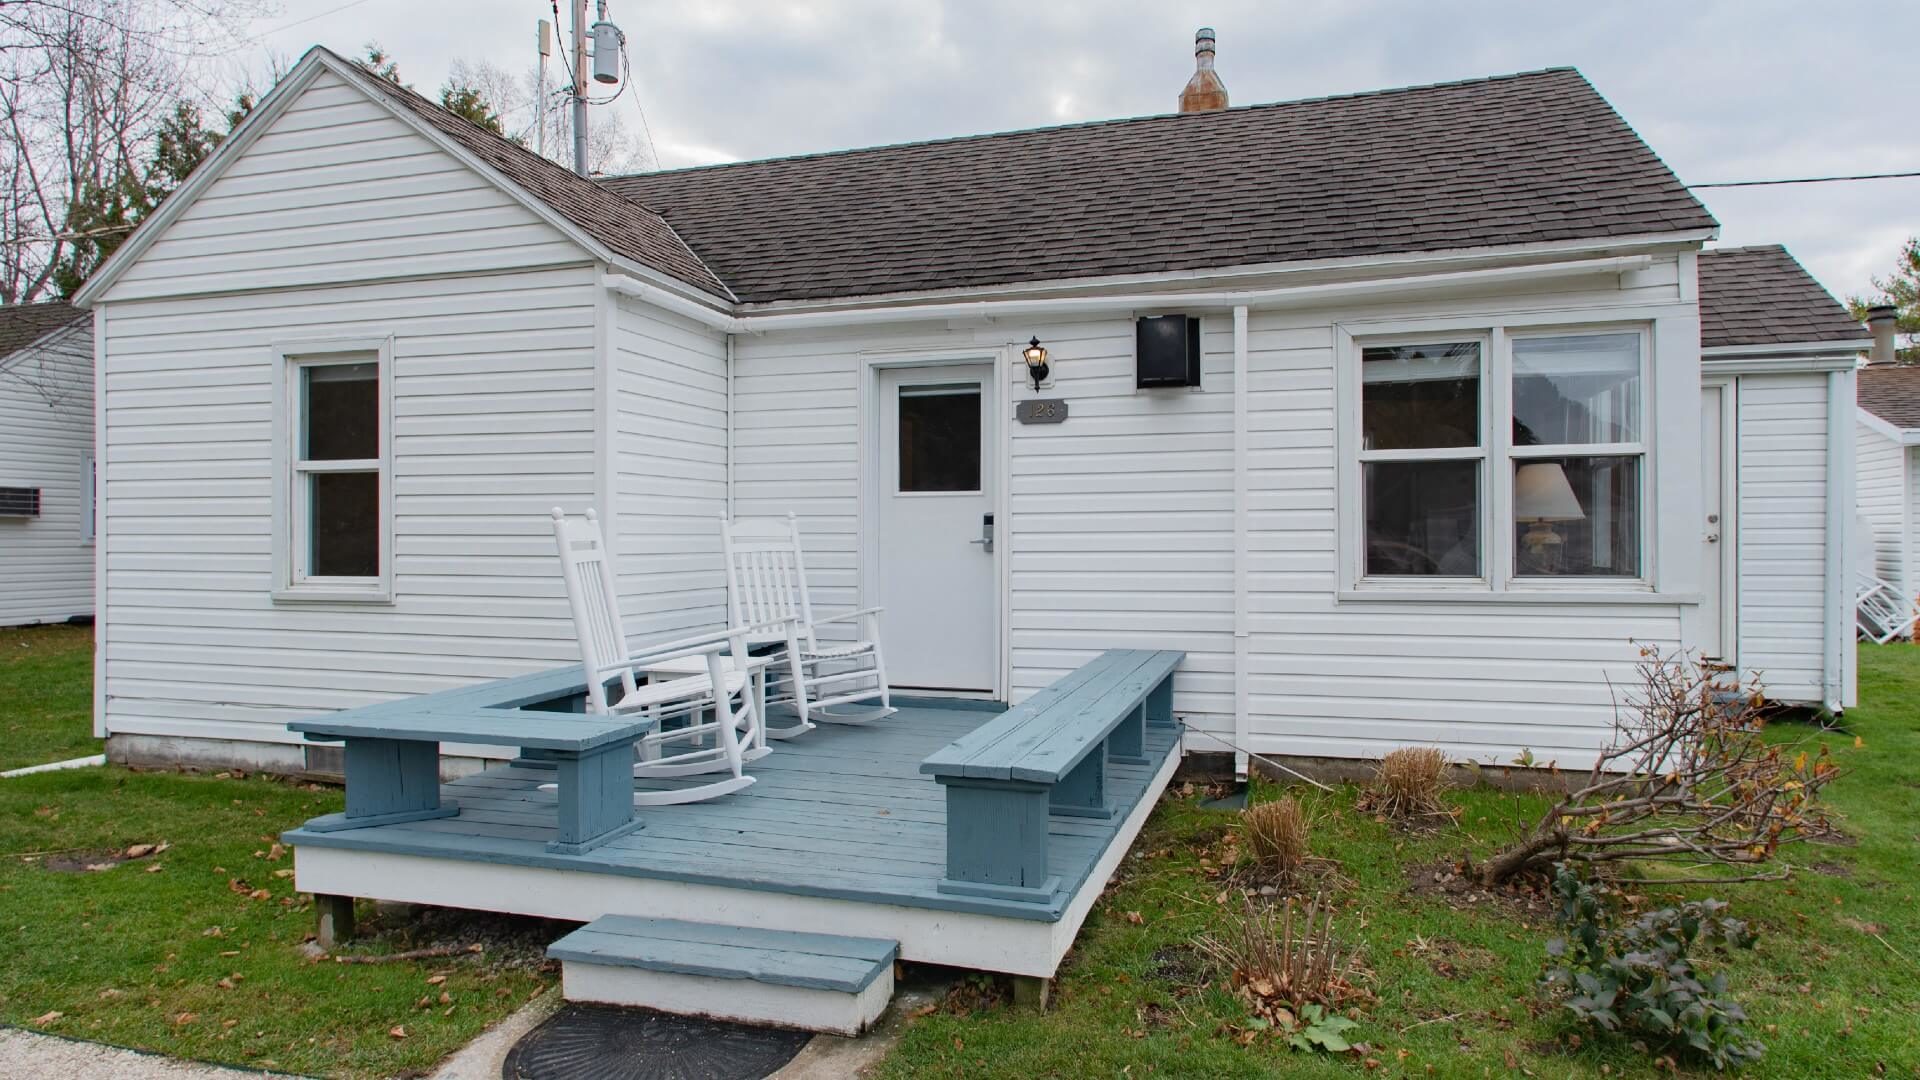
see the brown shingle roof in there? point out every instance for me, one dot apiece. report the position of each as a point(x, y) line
point(1489, 162)
point(1763, 296)
point(625, 227)
point(1891, 392)
point(23, 324)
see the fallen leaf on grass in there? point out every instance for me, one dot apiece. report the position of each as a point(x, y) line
point(46, 1018)
point(436, 980)
point(398, 1031)
point(140, 851)
point(1135, 918)
point(156, 868)
point(185, 1018)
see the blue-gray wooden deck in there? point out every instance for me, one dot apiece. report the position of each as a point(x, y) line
point(840, 812)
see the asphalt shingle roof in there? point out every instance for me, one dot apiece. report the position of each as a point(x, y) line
point(1489, 162)
point(1891, 392)
point(1763, 296)
point(625, 227)
point(23, 324)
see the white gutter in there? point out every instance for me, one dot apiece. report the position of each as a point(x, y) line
point(983, 310)
point(1894, 433)
point(1242, 712)
point(1849, 349)
point(57, 766)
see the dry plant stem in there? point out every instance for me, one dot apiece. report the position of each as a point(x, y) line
point(1293, 960)
point(1688, 780)
point(412, 954)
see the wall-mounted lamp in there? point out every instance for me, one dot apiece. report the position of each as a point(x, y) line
point(1036, 357)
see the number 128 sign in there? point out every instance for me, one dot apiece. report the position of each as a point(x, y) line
point(1040, 411)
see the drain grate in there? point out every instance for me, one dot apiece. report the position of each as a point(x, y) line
point(604, 1042)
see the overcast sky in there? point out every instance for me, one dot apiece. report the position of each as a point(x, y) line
point(1728, 90)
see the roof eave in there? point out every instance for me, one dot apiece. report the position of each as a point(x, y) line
point(1905, 436)
point(1242, 274)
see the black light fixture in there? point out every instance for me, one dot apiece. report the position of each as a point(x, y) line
point(1036, 357)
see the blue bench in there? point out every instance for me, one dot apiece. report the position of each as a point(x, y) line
point(1048, 755)
point(392, 754)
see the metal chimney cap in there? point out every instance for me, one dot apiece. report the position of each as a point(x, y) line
point(1203, 39)
point(1882, 313)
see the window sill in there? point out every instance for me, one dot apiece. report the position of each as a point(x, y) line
point(1624, 595)
point(321, 594)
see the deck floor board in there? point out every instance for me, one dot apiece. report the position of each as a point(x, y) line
point(840, 811)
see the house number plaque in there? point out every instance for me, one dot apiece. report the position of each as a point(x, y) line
point(1040, 411)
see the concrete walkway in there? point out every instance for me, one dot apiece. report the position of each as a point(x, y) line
point(29, 1055)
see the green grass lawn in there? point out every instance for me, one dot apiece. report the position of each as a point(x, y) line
point(1833, 988)
point(46, 695)
point(196, 951)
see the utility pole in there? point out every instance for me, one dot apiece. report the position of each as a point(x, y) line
point(540, 99)
point(579, 78)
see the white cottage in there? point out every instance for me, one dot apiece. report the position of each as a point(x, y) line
point(46, 464)
point(1386, 409)
point(1888, 477)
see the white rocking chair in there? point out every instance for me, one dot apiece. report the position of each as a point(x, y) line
point(767, 586)
point(735, 731)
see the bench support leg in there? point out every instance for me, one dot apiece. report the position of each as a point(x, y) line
point(333, 919)
point(389, 781)
point(596, 798)
point(1083, 791)
point(997, 839)
point(1031, 992)
point(1159, 704)
point(1128, 743)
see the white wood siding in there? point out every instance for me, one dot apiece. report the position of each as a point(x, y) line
point(1121, 534)
point(1783, 531)
point(46, 436)
point(670, 484)
point(338, 189)
point(493, 425)
point(1884, 500)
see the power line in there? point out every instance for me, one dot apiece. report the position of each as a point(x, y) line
point(308, 19)
point(1809, 180)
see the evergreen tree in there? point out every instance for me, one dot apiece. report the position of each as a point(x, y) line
point(1902, 290)
point(468, 102)
point(106, 214)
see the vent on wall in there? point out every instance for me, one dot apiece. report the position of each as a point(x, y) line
point(19, 502)
point(1166, 351)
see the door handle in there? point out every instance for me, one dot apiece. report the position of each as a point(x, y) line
point(986, 533)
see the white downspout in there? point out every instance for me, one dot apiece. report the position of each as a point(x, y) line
point(729, 380)
point(1839, 587)
point(1242, 722)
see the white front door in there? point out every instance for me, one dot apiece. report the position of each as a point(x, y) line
point(1716, 531)
point(937, 579)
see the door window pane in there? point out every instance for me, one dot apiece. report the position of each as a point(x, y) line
point(344, 524)
point(1423, 518)
point(340, 413)
point(1582, 388)
point(1577, 517)
point(940, 438)
point(1420, 396)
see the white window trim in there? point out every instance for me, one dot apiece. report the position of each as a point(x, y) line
point(1498, 581)
point(288, 360)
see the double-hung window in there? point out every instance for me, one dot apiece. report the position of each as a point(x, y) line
point(1498, 459)
point(333, 477)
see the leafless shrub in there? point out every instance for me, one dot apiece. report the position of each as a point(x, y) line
point(1688, 781)
point(1407, 786)
point(1277, 836)
point(1286, 960)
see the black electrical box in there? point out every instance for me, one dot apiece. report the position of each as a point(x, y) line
point(1166, 351)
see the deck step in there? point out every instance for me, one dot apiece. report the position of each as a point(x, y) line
point(817, 982)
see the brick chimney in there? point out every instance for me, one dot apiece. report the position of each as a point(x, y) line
point(1205, 92)
point(1881, 319)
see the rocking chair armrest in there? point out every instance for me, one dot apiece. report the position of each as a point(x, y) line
point(700, 644)
point(849, 616)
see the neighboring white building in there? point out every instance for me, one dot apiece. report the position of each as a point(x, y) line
point(1435, 468)
point(46, 464)
point(1889, 470)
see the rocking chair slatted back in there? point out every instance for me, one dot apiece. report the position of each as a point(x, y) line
point(593, 593)
point(766, 575)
